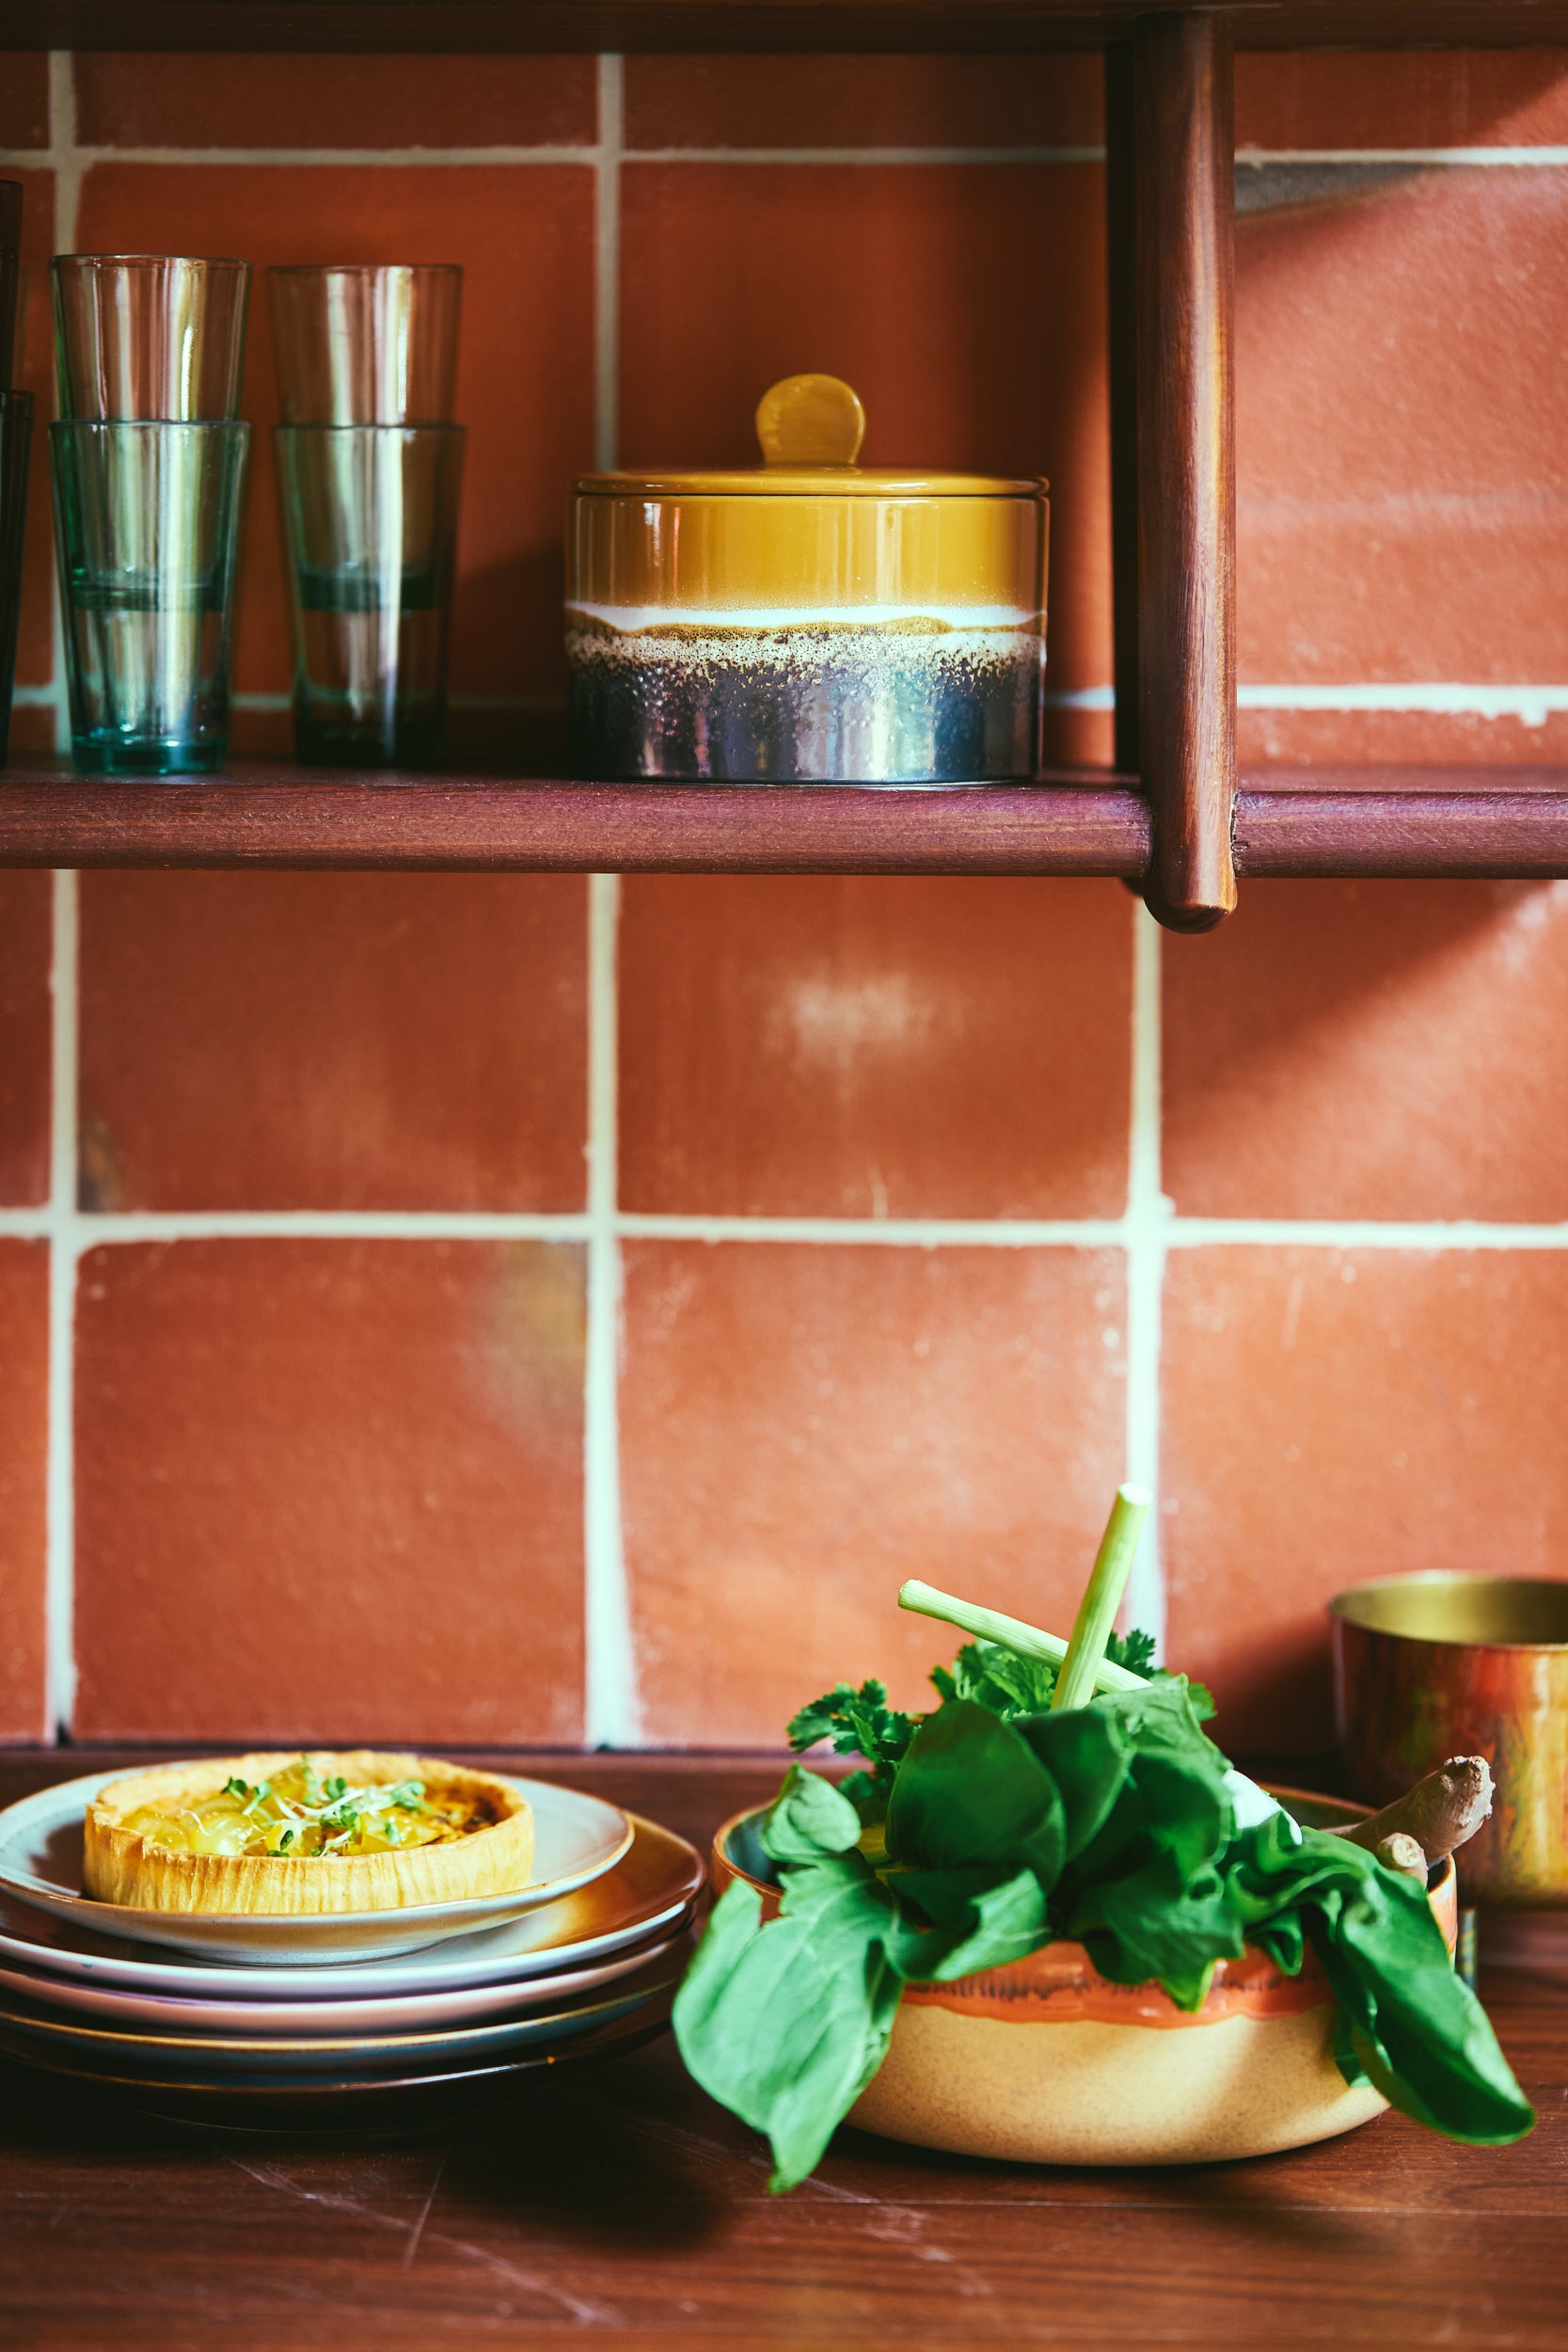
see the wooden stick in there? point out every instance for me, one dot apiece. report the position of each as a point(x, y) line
point(989, 1625)
point(1097, 1611)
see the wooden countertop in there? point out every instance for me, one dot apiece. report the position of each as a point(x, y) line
point(621, 2202)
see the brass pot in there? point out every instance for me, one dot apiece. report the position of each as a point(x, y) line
point(1430, 1667)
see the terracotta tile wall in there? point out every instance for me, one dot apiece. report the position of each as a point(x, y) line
point(534, 1308)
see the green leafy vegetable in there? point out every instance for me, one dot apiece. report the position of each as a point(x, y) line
point(991, 1825)
point(859, 1722)
point(1407, 2024)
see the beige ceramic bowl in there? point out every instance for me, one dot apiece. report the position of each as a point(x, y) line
point(1048, 2062)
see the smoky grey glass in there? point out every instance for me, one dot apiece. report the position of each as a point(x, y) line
point(147, 533)
point(370, 538)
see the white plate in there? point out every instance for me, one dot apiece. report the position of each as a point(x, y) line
point(649, 1889)
point(576, 1838)
point(398, 2013)
point(211, 2058)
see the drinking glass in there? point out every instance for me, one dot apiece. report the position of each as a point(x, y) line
point(370, 533)
point(147, 520)
point(154, 335)
point(10, 276)
point(16, 440)
point(366, 343)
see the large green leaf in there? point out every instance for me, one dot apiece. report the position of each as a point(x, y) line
point(1407, 2023)
point(970, 1790)
point(1086, 1753)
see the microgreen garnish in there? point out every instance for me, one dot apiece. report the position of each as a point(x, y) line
point(233, 1786)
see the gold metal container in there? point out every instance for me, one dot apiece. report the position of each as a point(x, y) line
point(1430, 1667)
point(808, 620)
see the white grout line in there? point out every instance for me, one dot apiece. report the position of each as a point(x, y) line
point(610, 1702)
point(610, 1712)
point(60, 1226)
point(113, 1228)
point(882, 1232)
point(1148, 1217)
point(1213, 1232)
point(896, 156)
point(1550, 157)
point(110, 1228)
point(606, 299)
point(587, 153)
point(64, 1243)
point(1530, 703)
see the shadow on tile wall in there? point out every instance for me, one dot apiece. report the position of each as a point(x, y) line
point(581, 1304)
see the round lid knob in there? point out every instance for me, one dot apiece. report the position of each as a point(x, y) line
point(810, 421)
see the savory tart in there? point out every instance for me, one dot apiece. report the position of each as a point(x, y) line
point(288, 1834)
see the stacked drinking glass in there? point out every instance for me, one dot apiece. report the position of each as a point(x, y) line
point(16, 438)
point(149, 468)
point(369, 464)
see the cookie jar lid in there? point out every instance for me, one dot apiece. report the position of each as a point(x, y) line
point(810, 428)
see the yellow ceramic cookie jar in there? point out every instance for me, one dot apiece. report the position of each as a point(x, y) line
point(808, 620)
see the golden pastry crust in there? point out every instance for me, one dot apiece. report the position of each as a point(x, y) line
point(121, 1866)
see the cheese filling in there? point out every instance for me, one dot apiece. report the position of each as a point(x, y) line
point(299, 1814)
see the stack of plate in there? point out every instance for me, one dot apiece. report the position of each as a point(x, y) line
point(371, 2015)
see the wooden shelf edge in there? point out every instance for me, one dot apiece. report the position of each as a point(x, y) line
point(815, 25)
point(1342, 824)
point(1497, 833)
point(284, 818)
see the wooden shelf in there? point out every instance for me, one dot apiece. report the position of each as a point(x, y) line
point(1297, 822)
point(514, 25)
point(1177, 821)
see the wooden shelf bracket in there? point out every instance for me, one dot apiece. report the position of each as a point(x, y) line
point(1177, 154)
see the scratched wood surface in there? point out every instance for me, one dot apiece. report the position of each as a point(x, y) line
point(621, 2201)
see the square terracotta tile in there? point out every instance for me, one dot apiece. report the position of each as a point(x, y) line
point(276, 100)
point(1333, 1416)
point(863, 101)
point(1387, 738)
point(525, 236)
point(966, 305)
point(32, 728)
point(1401, 98)
point(23, 1455)
point(24, 100)
point(1402, 487)
point(27, 1014)
point(874, 1047)
point(1371, 1050)
point(333, 1041)
point(330, 1490)
point(802, 1429)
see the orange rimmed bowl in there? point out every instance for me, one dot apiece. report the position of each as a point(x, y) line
point(1046, 2061)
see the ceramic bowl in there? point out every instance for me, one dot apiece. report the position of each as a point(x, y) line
point(1046, 2061)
